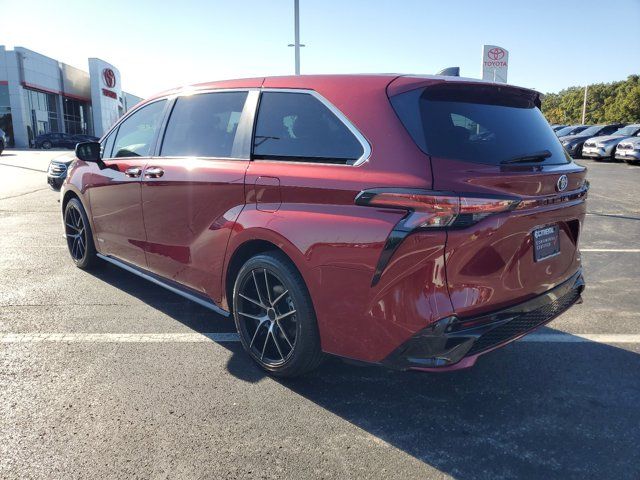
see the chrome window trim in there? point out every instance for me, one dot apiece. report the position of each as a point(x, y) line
point(366, 147)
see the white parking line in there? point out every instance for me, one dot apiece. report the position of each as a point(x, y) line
point(118, 337)
point(233, 337)
point(614, 250)
point(582, 338)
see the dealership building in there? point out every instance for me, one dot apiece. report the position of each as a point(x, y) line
point(41, 95)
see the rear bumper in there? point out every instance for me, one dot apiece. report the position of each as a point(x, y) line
point(454, 343)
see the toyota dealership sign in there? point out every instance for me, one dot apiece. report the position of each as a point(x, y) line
point(106, 95)
point(495, 62)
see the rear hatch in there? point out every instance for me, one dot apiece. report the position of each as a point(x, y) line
point(492, 141)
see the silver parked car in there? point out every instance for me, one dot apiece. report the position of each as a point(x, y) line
point(599, 148)
point(629, 150)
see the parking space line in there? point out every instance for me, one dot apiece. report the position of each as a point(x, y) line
point(191, 337)
point(194, 337)
point(582, 338)
point(612, 250)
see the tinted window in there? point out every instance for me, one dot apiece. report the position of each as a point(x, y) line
point(628, 131)
point(136, 133)
point(204, 125)
point(571, 130)
point(593, 130)
point(477, 124)
point(609, 130)
point(107, 145)
point(297, 126)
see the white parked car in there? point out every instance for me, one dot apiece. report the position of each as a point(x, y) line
point(629, 150)
point(603, 147)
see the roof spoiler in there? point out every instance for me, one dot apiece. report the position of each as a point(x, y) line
point(450, 72)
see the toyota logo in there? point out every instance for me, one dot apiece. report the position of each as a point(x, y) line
point(109, 77)
point(496, 53)
point(563, 182)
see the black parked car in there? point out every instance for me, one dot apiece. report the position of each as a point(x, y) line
point(3, 141)
point(57, 171)
point(61, 140)
point(574, 143)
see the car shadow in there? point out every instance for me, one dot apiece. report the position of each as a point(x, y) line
point(529, 410)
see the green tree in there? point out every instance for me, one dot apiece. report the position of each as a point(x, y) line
point(606, 102)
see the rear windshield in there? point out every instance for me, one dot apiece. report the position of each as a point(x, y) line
point(481, 124)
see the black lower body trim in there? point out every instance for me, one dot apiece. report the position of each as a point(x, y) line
point(452, 339)
point(170, 285)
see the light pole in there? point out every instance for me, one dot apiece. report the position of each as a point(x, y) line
point(584, 104)
point(297, 44)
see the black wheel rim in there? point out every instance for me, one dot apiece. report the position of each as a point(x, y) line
point(76, 233)
point(267, 317)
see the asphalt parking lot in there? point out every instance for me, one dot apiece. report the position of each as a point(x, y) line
point(103, 375)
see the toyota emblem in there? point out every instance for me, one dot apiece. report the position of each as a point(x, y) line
point(496, 53)
point(109, 77)
point(563, 182)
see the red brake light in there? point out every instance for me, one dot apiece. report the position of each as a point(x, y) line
point(436, 209)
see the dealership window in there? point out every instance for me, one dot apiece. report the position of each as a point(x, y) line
point(6, 123)
point(203, 125)
point(77, 117)
point(299, 127)
point(44, 112)
point(135, 135)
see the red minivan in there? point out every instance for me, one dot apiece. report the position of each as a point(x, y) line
point(415, 222)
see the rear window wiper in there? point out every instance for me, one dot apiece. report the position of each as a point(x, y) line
point(531, 157)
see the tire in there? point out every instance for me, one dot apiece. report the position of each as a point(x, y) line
point(46, 145)
point(579, 152)
point(79, 235)
point(268, 287)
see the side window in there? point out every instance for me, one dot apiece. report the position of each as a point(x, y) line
point(203, 125)
point(107, 145)
point(299, 127)
point(136, 133)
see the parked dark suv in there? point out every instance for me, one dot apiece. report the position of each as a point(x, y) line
point(398, 220)
point(575, 143)
point(61, 140)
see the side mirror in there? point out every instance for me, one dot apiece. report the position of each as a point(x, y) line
point(88, 151)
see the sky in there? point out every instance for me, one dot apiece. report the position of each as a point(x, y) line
point(158, 45)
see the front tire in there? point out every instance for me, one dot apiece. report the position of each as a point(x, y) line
point(79, 236)
point(46, 145)
point(274, 316)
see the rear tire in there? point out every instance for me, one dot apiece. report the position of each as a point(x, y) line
point(46, 145)
point(274, 316)
point(79, 235)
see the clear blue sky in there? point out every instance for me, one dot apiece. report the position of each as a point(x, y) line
point(158, 45)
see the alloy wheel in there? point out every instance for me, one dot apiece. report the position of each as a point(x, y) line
point(267, 317)
point(76, 233)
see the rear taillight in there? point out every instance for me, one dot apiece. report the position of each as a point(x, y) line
point(428, 210)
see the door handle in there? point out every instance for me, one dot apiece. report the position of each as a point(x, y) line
point(133, 172)
point(153, 172)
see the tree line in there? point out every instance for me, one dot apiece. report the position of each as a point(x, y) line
point(606, 103)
